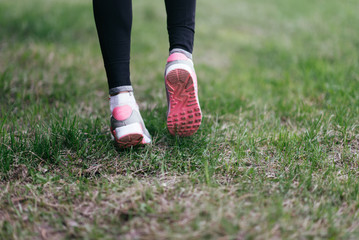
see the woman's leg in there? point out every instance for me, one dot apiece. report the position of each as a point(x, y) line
point(181, 23)
point(113, 22)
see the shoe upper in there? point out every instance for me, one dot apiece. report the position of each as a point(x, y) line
point(125, 111)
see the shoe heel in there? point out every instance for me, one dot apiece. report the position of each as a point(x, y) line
point(128, 136)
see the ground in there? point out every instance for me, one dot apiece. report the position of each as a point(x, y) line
point(276, 156)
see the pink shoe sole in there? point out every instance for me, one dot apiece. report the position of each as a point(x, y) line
point(185, 115)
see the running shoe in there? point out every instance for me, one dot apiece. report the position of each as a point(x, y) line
point(184, 112)
point(127, 126)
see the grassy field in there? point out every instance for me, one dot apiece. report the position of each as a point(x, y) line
point(276, 157)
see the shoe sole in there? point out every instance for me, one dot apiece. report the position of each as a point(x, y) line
point(128, 136)
point(130, 140)
point(185, 115)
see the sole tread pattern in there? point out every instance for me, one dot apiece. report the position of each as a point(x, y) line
point(185, 115)
point(130, 140)
point(127, 141)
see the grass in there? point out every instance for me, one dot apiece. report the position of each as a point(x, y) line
point(276, 157)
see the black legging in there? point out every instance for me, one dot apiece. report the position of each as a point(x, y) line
point(114, 21)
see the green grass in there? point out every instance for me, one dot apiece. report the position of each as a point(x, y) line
point(277, 154)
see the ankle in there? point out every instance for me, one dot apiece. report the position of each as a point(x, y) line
point(114, 94)
point(120, 89)
point(122, 98)
point(181, 51)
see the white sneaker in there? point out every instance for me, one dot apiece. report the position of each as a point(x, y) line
point(184, 114)
point(127, 125)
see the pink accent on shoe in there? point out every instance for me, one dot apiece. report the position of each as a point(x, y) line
point(122, 112)
point(184, 117)
point(176, 56)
